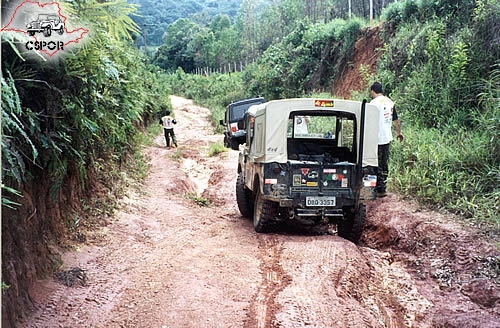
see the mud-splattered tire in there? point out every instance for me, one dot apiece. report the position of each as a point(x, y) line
point(244, 198)
point(352, 228)
point(264, 213)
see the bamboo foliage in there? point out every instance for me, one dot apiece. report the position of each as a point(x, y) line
point(89, 104)
point(14, 133)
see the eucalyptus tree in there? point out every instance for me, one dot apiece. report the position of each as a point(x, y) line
point(247, 25)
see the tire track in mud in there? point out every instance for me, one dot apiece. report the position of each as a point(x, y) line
point(329, 285)
point(273, 280)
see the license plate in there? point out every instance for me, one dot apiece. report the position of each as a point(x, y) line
point(320, 201)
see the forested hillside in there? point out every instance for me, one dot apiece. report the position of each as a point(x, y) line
point(70, 127)
point(223, 43)
point(154, 16)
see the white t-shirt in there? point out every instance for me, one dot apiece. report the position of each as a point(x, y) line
point(168, 122)
point(300, 125)
point(385, 107)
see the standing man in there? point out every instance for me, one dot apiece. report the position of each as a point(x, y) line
point(168, 127)
point(387, 116)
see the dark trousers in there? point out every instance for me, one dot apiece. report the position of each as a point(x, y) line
point(169, 133)
point(383, 167)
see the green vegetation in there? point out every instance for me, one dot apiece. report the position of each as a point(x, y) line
point(216, 148)
point(200, 201)
point(69, 128)
point(303, 62)
point(154, 17)
point(445, 78)
point(76, 123)
point(4, 286)
point(226, 41)
point(89, 105)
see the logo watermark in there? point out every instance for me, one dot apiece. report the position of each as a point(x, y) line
point(43, 27)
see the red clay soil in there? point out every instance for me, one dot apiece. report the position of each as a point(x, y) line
point(167, 259)
point(364, 59)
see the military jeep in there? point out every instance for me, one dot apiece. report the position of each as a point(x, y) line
point(305, 160)
point(235, 111)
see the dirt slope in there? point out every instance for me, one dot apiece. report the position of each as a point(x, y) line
point(366, 52)
point(166, 261)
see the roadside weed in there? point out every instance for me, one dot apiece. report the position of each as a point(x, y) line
point(197, 199)
point(216, 148)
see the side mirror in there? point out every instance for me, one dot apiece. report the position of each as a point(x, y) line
point(221, 122)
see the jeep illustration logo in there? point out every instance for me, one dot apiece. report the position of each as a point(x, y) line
point(46, 23)
point(44, 26)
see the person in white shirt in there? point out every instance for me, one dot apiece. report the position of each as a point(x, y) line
point(168, 127)
point(387, 117)
point(301, 125)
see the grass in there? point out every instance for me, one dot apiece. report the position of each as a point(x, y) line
point(216, 148)
point(197, 199)
point(450, 170)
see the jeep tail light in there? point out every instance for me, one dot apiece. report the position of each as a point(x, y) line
point(234, 127)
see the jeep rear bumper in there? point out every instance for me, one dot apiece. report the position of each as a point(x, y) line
point(320, 213)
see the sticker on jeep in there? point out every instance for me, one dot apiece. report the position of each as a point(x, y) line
point(323, 103)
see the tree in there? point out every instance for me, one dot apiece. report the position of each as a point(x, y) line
point(175, 51)
point(220, 23)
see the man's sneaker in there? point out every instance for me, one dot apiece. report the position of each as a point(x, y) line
point(381, 194)
point(175, 144)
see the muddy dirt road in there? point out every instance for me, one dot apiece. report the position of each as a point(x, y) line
point(165, 260)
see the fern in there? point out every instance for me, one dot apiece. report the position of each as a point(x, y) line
point(14, 133)
point(6, 201)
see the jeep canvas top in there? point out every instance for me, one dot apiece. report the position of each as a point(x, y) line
point(273, 128)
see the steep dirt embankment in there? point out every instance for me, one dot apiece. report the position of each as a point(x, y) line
point(367, 50)
point(32, 234)
point(165, 260)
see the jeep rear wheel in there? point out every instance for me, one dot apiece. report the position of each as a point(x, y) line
point(352, 228)
point(243, 197)
point(234, 144)
point(264, 212)
point(47, 31)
